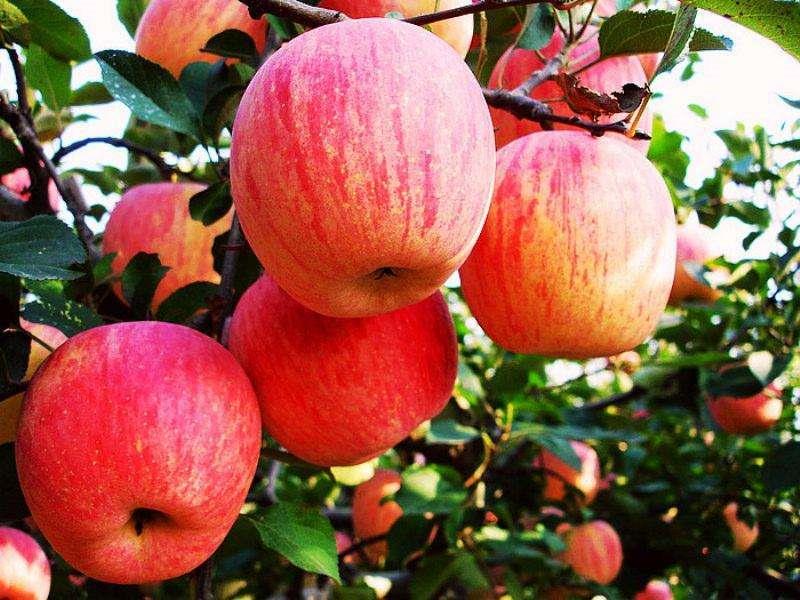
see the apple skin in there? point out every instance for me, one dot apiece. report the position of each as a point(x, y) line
point(457, 31)
point(172, 32)
point(370, 517)
point(594, 550)
point(374, 379)
point(655, 590)
point(134, 417)
point(370, 200)
point(588, 480)
point(744, 536)
point(695, 244)
point(19, 182)
point(577, 256)
point(24, 568)
point(516, 65)
point(154, 218)
point(747, 416)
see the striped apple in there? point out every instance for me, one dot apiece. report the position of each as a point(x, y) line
point(750, 415)
point(24, 568)
point(696, 244)
point(594, 550)
point(373, 517)
point(559, 474)
point(655, 590)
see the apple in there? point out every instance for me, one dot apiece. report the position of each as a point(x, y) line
point(594, 550)
point(172, 33)
point(456, 31)
point(747, 416)
point(373, 197)
point(559, 474)
point(655, 590)
point(371, 516)
point(136, 449)
point(744, 536)
point(338, 392)
point(19, 182)
point(578, 253)
point(24, 569)
point(154, 218)
point(696, 244)
point(607, 76)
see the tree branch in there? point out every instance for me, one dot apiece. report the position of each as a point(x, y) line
point(154, 157)
point(537, 78)
point(470, 9)
point(303, 14)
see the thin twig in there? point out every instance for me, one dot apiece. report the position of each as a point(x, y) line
point(19, 76)
point(154, 157)
point(470, 9)
point(537, 78)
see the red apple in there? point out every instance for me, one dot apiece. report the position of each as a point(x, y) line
point(655, 590)
point(457, 31)
point(578, 253)
point(341, 391)
point(155, 218)
point(558, 473)
point(594, 551)
point(748, 416)
point(516, 65)
point(373, 197)
point(172, 33)
point(372, 518)
point(19, 182)
point(696, 244)
point(136, 448)
point(24, 569)
point(744, 536)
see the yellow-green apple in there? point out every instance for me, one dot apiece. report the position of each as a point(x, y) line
point(578, 253)
point(374, 378)
point(559, 475)
point(456, 31)
point(150, 433)
point(696, 244)
point(607, 76)
point(373, 517)
point(593, 550)
point(24, 569)
point(655, 590)
point(371, 199)
point(155, 218)
point(172, 33)
point(744, 535)
point(750, 415)
point(19, 182)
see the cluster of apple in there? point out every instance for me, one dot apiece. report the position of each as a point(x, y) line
point(137, 442)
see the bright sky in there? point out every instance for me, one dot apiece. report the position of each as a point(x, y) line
point(738, 86)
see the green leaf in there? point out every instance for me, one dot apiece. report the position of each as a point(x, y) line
point(434, 488)
point(408, 534)
point(562, 449)
point(221, 109)
point(10, 156)
point(50, 76)
point(40, 248)
point(698, 110)
point(140, 279)
point(782, 468)
point(435, 571)
point(52, 308)
point(130, 13)
point(790, 102)
point(233, 43)
point(679, 37)
point(448, 431)
point(302, 535)
point(211, 204)
point(149, 90)
point(186, 301)
point(745, 380)
point(10, 16)
point(12, 502)
point(92, 92)
point(776, 20)
point(284, 28)
point(61, 35)
point(538, 28)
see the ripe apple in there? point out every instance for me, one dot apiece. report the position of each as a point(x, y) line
point(594, 550)
point(150, 434)
point(696, 244)
point(456, 31)
point(341, 391)
point(24, 568)
point(19, 182)
point(517, 64)
point(172, 33)
point(372, 518)
point(578, 253)
point(655, 590)
point(748, 416)
point(558, 474)
point(371, 199)
point(744, 536)
point(155, 218)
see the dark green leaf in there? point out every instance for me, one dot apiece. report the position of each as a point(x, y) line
point(221, 109)
point(149, 90)
point(448, 431)
point(408, 534)
point(139, 281)
point(742, 381)
point(233, 43)
point(302, 535)
point(130, 13)
point(790, 102)
point(434, 488)
point(679, 37)
point(538, 28)
point(92, 92)
point(185, 302)
point(41, 248)
point(12, 502)
point(50, 76)
point(54, 309)
point(213, 203)
point(284, 28)
point(782, 468)
point(10, 156)
point(562, 449)
point(436, 571)
point(61, 35)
